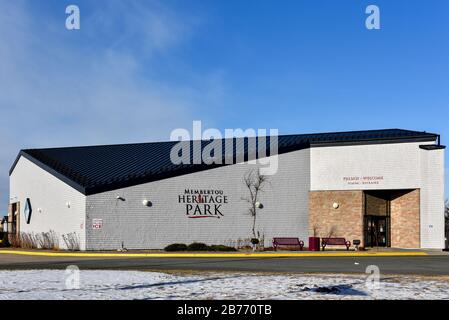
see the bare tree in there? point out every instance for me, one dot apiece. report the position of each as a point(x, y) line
point(255, 182)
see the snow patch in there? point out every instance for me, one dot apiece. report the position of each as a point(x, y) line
point(99, 284)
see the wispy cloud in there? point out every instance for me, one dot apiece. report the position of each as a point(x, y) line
point(148, 26)
point(62, 88)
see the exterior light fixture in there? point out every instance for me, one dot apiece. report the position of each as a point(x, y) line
point(259, 205)
point(335, 205)
point(147, 203)
point(120, 198)
point(67, 204)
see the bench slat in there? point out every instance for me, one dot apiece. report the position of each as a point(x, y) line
point(335, 242)
point(287, 242)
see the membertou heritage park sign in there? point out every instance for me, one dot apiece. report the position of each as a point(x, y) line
point(203, 203)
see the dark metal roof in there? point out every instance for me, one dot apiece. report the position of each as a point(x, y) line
point(95, 169)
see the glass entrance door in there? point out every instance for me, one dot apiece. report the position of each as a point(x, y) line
point(376, 231)
point(377, 219)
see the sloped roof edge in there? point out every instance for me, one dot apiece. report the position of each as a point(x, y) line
point(96, 169)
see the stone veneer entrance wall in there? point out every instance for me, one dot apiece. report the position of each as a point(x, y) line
point(405, 219)
point(347, 219)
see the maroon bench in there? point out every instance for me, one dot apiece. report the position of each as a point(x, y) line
point(335, 242)
point(287, 242)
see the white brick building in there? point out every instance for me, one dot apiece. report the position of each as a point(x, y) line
point(133, 196)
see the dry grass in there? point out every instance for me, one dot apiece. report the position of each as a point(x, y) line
point(43, 240)
point(48, 240)
point(72, 241)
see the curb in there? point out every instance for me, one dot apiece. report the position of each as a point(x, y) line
point(213, 255)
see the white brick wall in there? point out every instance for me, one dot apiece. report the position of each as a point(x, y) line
point(285, 211)
point(432, 198)
point(397, 163)
point(50, 195)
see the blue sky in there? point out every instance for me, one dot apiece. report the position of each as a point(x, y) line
point(136, 70)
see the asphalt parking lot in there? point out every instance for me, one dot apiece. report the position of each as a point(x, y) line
point(422, 265)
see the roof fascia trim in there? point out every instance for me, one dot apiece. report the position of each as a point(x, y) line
point(15, 162)
point(373, 141)
point(53, 172)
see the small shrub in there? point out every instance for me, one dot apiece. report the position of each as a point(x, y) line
point(197, 246)
point(176, 247)
point(221, 248)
